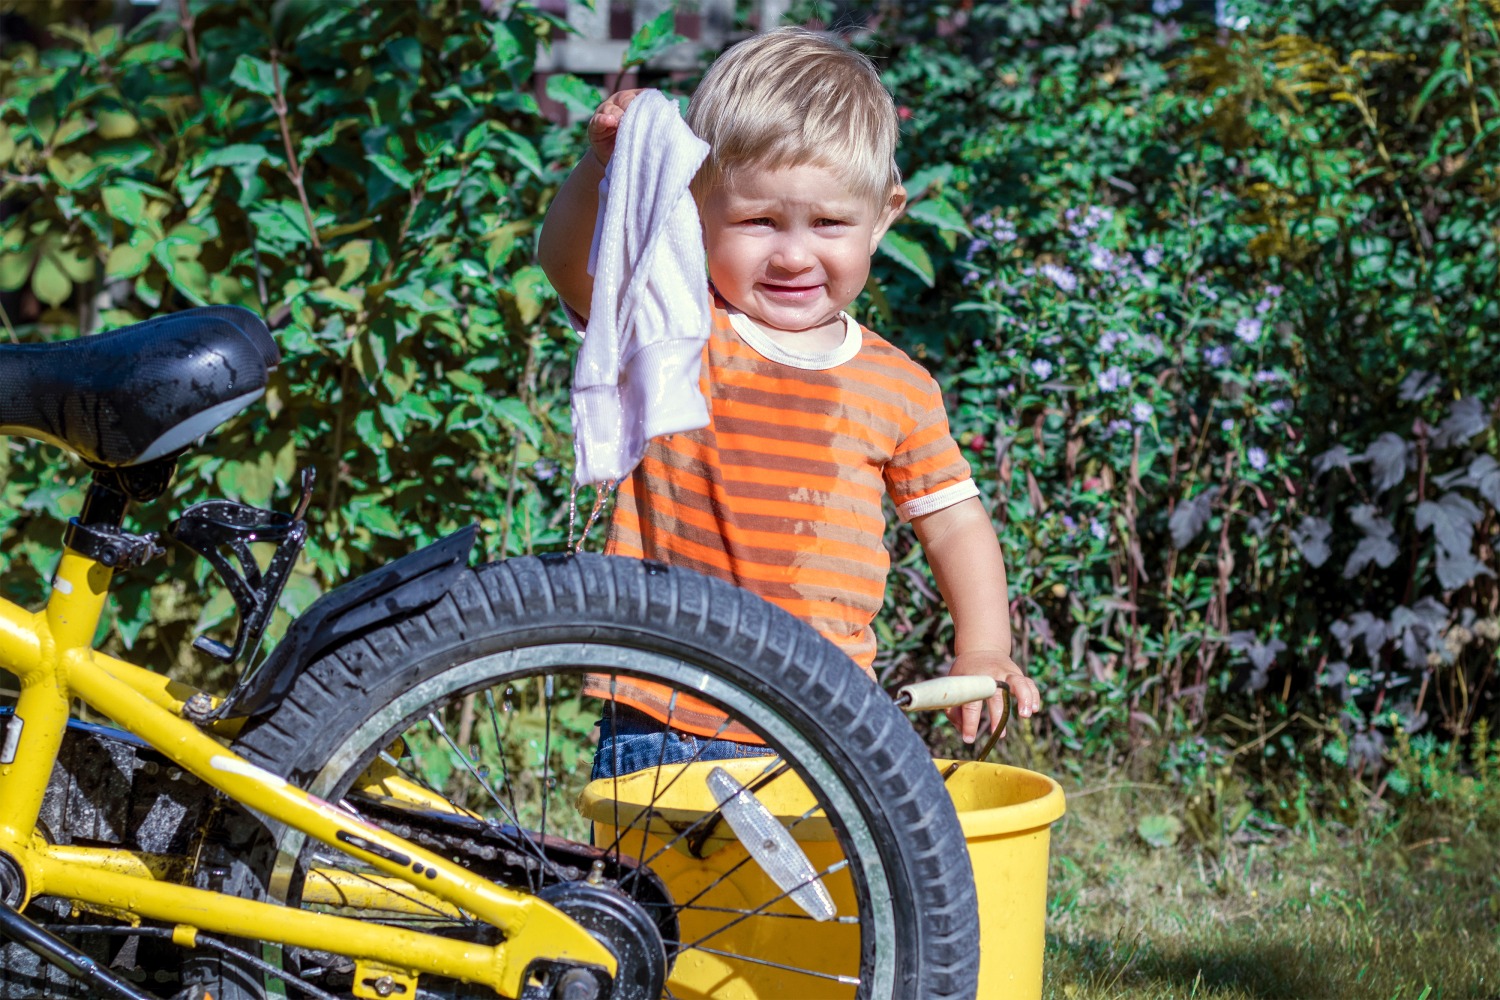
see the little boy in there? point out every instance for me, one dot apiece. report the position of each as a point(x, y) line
point(813, 417)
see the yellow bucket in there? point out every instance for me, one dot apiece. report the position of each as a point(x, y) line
point(1006, 814)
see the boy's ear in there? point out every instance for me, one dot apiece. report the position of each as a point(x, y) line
point(889, 213)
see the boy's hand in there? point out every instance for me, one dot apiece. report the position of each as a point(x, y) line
point(1025, 696)
point(605, 124)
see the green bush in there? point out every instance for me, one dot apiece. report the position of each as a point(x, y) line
point(1217, 318)
point(368, 177)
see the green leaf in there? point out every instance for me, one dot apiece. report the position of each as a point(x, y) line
point(938, 211)
point(653, 38)
point(909, 254)
point(395, 171)
point(515, 413)
point(49, 283)
point(1159, 830)
point(240, 154)
point(281, 222)
point(254, 75)
point(533, 292)
point(380, 521)
point(125, 204)
point(467, 381)
point(520, 148)
point(574, 94)
point(406, 54)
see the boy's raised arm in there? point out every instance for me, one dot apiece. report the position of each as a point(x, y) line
point(970, 571)
point(568, 231)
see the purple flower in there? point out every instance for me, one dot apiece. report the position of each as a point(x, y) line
point(1113, 378)
point(1112, 339)
point(1274, 291)
point(1000, 230)
point(1042, 368)
point(1100, 258)
point(1152, 256)
point(1226, 425)
point(1061, 276)
point(1266, 375)
point(1068, 522)
point(1141, 412)
point(1092, 220)
point(1248, 330)
point(1279, 405)
point(1098, 530)
point(1257, 458)
point(970, 277)
point(1262, 307)
point(976, 247)
point(543, 469)
point(1217, 355)
point(1117, 426)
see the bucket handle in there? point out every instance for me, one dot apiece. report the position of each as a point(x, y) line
point(950, 692)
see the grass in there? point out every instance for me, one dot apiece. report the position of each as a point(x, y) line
point(1387, 910)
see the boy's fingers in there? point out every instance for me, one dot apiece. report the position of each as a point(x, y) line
point(970, 725)
point(997, 706)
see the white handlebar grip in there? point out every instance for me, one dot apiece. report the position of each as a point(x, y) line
point(947, 692)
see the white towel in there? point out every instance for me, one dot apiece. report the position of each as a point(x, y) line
point(636, 375)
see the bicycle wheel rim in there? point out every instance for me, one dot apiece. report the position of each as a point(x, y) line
point(845, 806)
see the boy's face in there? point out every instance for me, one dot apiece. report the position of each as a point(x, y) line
point(791, 247)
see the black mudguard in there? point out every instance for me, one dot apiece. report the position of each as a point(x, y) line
point(393, 591)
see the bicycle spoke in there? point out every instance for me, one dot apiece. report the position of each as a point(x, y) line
point(510, 788)
point(522, 833)
point(661, 756)
point(701, 820)
point(614, 771)
point(547, 688)
point(837, 866)
point(741, 863)
point(835, 977)
point(757, 913)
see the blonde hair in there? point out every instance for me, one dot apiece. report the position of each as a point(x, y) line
point(790, 97)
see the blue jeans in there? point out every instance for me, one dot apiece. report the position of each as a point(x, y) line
point(632, 741)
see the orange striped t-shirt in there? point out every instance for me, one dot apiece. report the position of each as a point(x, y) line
point(781, 492)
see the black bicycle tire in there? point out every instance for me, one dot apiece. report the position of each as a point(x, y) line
point(626, 603)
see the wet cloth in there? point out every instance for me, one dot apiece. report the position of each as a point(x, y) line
point(636, 374)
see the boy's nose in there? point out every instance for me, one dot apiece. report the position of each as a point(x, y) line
point(790, 255)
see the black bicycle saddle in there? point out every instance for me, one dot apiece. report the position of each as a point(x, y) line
point(138, 393)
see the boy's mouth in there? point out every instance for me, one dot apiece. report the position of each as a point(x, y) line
point(791, 291)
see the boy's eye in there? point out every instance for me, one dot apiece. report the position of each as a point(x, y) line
point(833, 222)
point(759, 220)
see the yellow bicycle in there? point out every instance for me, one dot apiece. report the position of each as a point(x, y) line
point(396, 801)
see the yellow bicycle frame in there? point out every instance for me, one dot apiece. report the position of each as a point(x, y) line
point(51, 653)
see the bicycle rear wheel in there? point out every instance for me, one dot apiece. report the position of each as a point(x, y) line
point(478, 702)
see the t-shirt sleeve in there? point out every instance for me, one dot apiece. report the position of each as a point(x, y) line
point(927, 471)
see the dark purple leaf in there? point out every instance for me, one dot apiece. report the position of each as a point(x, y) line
point(1334, 674)
point(1417, 385)
point(1336, 457)
point(1451, 517)
point(1466, 418)
point(1191, 516)
point(1387, 458)
point(1311, 539)
point(1380, 551)
point(1368, 520)
point(1484, 475)
point(1456, 569)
